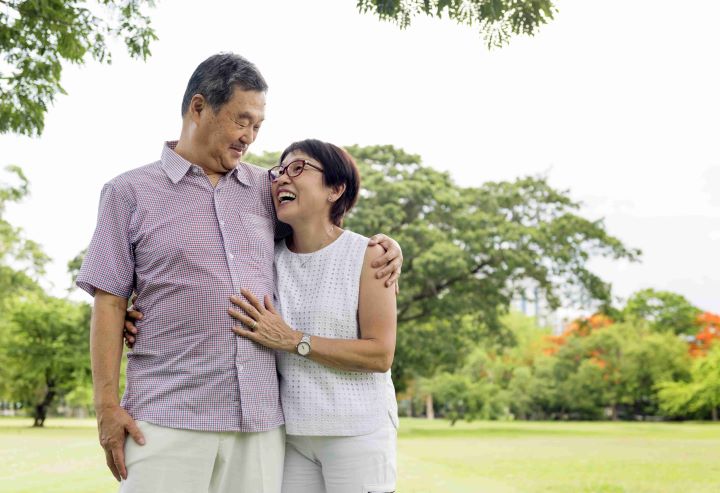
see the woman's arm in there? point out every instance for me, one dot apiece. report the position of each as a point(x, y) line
point(374, 350)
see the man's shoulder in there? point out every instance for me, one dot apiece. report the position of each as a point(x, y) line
point(255, 170)
point(128, 183)
point(138, 175)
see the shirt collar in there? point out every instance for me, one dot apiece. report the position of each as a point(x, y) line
point(176, 166)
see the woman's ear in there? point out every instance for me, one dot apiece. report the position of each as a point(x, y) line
point(337, 192)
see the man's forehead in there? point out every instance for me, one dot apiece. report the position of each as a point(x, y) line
point(248, 104)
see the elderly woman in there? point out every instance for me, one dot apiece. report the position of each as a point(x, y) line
point(333, 326)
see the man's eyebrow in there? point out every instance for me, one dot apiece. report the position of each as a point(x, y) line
point(248, 116)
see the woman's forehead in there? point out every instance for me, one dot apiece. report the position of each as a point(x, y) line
point(297, 155)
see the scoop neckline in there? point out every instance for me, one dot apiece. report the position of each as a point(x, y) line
point(308, 254)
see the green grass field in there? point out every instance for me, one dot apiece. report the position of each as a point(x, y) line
point(485, 457)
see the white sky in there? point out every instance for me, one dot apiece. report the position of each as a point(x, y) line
point(617, 101)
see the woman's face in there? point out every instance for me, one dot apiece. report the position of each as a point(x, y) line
point(303, 197)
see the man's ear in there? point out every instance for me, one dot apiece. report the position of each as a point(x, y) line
point(198, 105)
point(337, 192)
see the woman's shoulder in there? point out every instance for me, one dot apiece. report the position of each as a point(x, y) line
point(359, 242)
point(349, 235)
point(360, 245)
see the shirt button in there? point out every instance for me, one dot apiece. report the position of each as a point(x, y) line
point(232, 257)
point(240, 367)
point(222, 224)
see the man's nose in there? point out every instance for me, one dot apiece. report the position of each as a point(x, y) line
point(248, 135)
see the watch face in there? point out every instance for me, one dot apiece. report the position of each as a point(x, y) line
point(303, 348)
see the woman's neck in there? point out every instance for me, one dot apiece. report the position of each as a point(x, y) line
point(311, 237)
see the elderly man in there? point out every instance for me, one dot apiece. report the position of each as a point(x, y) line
point(186, 233)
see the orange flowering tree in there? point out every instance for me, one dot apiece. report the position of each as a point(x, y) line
point(603, 366)
point(708, 334)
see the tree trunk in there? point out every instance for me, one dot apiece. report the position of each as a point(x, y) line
point(714, 413)
point(42, 408)
point(429, 411)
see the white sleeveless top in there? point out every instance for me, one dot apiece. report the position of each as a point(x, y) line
point(317, 293)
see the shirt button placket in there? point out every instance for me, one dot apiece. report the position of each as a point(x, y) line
point(221, 222)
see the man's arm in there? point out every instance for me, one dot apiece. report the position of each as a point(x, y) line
point(114, 423)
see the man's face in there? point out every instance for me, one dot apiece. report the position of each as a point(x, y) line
point(223, 137)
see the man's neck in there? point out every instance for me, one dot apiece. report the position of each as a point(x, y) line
point(186, 151)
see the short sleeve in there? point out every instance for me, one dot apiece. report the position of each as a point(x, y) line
point(109, 264)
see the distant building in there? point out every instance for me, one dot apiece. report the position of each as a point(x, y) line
point(532, 304)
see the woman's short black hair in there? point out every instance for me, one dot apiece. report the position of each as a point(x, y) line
point(339, 168)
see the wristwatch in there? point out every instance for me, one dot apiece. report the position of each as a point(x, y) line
point(303, 348)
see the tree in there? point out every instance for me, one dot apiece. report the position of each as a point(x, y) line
point(46, 351)
point(21, 261)
point(497, 20)
point(665, 311)
point(698, 395)
point(708, 334)
point(472, 392)
point(617, 364)
point(495, 381)
point(37, 36)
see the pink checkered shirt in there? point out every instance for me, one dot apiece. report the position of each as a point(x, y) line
point(185, 247)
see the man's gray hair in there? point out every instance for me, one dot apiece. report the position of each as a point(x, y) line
point(216, 78)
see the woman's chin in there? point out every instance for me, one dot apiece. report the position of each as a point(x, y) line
point(284, 217)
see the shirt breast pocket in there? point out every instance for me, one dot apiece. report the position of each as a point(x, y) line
point(259, 239)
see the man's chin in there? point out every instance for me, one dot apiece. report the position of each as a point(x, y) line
point(233, 163)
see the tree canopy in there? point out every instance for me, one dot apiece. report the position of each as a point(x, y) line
point(37, 36)
point(698, 394)
point(664, 311)
point(497, 20)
